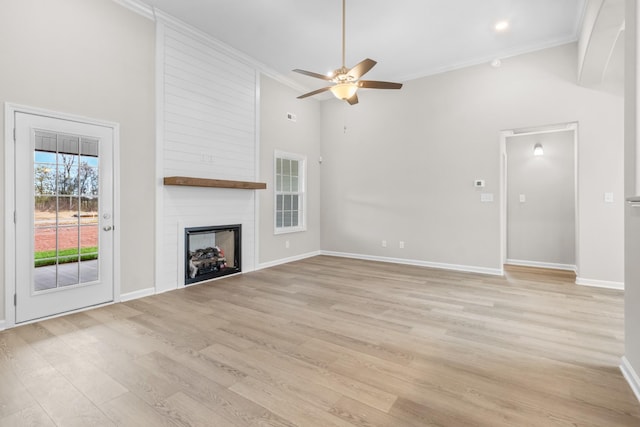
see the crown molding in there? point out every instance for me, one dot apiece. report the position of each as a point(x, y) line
point(164, 18)
point(487, 59)
point(138, 7)
point(159, 16)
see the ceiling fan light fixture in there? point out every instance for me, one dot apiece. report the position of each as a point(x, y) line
point(346, 81)
point(344, 90)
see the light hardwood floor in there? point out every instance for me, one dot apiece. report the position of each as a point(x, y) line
point(330, 342)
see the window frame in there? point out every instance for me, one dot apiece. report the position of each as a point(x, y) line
point(302, 192)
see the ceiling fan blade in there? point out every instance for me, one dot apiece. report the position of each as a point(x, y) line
point(361, 68)
point(315, 92)
point(373, 84)
point(353, 100)
point(312, 74)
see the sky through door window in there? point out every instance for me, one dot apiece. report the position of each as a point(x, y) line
point(290, 171)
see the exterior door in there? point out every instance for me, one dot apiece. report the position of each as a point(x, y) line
point(64, 201)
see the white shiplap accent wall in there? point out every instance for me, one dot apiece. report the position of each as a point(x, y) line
point(207, 114)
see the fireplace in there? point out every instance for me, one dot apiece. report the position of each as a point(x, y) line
point(211, 252)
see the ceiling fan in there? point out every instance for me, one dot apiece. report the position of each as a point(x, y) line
point(347, 81)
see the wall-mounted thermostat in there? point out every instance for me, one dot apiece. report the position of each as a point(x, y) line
point(478, 183)
point(291, 116)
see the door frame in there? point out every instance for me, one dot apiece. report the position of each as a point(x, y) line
point(10, 110)
point(504, 135)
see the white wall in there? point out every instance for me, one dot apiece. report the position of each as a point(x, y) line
point(632, 215)
point(207, 129)
point(541, 228)
point(93, 59)
point(403, 169)
point(299, 137)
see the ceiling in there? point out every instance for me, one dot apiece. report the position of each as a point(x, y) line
point(408, 38)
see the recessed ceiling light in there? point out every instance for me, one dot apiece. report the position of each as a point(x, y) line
point(502, 26)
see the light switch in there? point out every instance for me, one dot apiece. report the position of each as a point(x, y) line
point(486, 197)
point(523, 198)
point(608, 197)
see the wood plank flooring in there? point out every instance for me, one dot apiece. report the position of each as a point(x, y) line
point(330, 342)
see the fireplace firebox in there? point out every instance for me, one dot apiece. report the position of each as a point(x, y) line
point(211, 252)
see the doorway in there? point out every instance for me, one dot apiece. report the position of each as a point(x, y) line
point(539, 197)
point(63, 228)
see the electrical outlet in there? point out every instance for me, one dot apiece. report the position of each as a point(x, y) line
point(384, 243)
point(286, 244)
point(206, 158)
point(401, 244)
point(486, 197)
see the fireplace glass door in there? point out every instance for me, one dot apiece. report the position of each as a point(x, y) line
point(211, 252)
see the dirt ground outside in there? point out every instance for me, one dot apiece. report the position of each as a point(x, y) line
point(68, 231)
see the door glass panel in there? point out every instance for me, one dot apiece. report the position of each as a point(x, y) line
point(88, 191)
point(66, 172)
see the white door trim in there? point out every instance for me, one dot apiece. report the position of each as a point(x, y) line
point(504, 135)
point(10, 111)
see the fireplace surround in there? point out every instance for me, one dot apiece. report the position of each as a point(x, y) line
point(211, 252)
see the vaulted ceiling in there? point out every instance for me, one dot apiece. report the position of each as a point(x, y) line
point(408, 38)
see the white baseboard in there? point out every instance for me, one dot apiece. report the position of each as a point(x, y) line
point(631, 376)
point(123, 297)
point(287, 260)
point(600, 283)
point(537, 264)
point(419, 263)
point(137, 294)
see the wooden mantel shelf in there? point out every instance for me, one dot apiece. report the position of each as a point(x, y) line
point(217, 183)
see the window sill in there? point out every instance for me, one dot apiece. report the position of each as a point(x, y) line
point(289, 230)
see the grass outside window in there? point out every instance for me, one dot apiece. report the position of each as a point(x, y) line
point(65, 256)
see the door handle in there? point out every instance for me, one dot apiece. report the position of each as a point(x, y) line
point(107, 228)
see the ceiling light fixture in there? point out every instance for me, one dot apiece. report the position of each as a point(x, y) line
point(501, 26)
point(344, 91)
point(538, 150)
point(346, 81)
